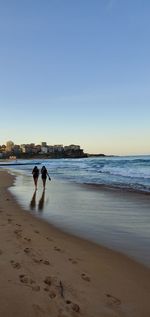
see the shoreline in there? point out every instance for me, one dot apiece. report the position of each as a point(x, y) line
point(122, 183)
point(115, 188)
point(101, 216)
point(94, 280)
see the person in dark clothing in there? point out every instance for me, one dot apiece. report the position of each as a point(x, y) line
point(35, 174)
point(44, 174)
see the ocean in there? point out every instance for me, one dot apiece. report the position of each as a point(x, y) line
point(102, 199)
point(128, 172)
point(131, 173)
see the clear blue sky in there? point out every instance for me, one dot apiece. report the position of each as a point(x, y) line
point(76, 71)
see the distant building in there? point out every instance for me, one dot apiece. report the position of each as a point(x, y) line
point(38, 148)
point(44, 149)
point(50, 149)
point(58, 148)
point(43, 144)
point(27, 148)
point(16, 149)
point(23, 148)
point(72, 147)
point(9, 146)
point(32, 150)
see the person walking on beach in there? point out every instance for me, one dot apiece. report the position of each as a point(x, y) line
point(44, 174)
point(35, 173)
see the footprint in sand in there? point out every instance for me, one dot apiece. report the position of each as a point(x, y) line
point(75, 307)
point(68, 302)
point(112, 300)
point(48, 280)
point(27, 250)
point(29, 282)
point(85, 277)
point(27, 239)
point(46, 262)
point(72, 261)
point(9, 220)
point(51, 292)
point(18, 233)
point(51, 281)
point(46, 289)
point(57, 249)
point(36, 231)
point(15, 265)
point(49, 239)
point(37, 260)
point(26, 280)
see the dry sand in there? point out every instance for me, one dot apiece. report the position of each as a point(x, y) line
point(45, 272)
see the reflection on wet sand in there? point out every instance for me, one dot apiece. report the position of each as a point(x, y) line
point(33, 201)
point(41, 201)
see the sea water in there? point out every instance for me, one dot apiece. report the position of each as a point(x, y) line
point(128, 172)
point(105, 200)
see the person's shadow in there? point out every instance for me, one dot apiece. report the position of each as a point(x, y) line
point(41, 201)
point(33, 201)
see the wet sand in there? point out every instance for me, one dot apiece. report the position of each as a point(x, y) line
point(45, 272)
point(118, 220)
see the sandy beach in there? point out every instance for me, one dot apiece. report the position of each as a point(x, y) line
point(45, 272)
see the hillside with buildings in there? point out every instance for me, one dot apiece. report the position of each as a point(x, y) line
point(43, 150)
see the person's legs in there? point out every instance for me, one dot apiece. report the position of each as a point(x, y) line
point(44, 182)
point(35, 182)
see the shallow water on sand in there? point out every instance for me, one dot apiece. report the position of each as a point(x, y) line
point(115, 219)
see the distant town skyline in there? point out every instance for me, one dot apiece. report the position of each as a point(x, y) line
point(76, 72)
point(32, 150)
